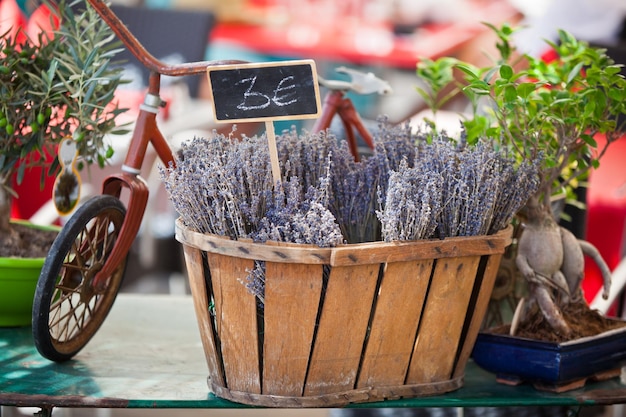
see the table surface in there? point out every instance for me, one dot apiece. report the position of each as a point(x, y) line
point(148, 355)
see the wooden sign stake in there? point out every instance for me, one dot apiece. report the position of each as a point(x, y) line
point(271, 142)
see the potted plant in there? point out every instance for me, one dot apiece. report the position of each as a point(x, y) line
point(328, 287)
point(60, 85)
point(550, 112)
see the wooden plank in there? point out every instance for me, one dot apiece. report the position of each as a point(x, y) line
point(236, 317)
point(398, 309)
point(292, 297)
point(246, 249)
point(342, 329)
point(442, 322)
point(381, 252)
point(342, 399)
point(197, 283)
point(352, 254)
point(477, 312)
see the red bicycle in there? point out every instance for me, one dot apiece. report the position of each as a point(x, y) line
point(83, 272)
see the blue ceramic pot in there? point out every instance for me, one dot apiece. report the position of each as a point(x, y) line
point(549, 363)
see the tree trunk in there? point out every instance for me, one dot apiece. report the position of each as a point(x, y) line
point(5, 210)
point(540, 260)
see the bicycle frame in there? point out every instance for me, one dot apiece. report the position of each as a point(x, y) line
point(335, 102)
point(145, 132)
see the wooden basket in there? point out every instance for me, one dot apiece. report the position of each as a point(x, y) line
point(351, 324)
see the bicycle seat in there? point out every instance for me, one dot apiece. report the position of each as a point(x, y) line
point(360, 82)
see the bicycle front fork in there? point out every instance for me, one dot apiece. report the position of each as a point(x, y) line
point(335, 102)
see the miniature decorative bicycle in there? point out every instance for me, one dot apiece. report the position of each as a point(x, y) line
point(84, 269)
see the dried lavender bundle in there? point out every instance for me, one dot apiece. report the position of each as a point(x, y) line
point(292, 219)
point(517, 185)
point(422, 188)
point(356, 184)
point(473, 190)
point(306, 156)
point(470, 186)
point(352, 185)
point(353, 190)
point(411, 202)
point(394, 144)
point(225, 187)
point(197, 183)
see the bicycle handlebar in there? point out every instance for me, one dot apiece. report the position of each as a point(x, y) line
point(360, 82)
point(147, 59)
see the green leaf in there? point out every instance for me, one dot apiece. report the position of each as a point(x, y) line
point(90, 90)
point(90, 58)
point(468, 69)
point(510, 93)
point(424, 94)
point(617, 94)
point(20, 173)
point(575, 72)
point(506, 71)
point(589, 109)
point(525, 89)
point(52, 70)
point(589, 140)
point(614, 69)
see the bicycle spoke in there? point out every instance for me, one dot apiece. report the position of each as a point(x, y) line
point(92, 245)
point(65, 295)
point(66, 323)
point(65, 309)
point(62, 316)
point(71, 322)
point(79, 257)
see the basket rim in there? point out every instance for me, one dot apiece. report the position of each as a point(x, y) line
point(347, 254)
point(339, 399)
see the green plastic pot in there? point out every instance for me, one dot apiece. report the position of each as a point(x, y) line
point(18, 280)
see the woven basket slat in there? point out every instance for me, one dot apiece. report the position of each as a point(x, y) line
point(235, 304)
point(476, 314)
point(442, 320)
point(292, 298)
point(195, 268)
point(342, 329)
point(392, 335)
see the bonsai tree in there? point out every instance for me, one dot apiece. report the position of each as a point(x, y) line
point(543, 111)
point(56, 86)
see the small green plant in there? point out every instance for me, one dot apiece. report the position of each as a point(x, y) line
point(551, 113)
point(54, 87)
point(538, 109)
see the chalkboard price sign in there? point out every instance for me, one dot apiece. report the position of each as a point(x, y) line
point(264, 91)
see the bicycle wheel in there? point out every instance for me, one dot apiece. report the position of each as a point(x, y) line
point(67, 309)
